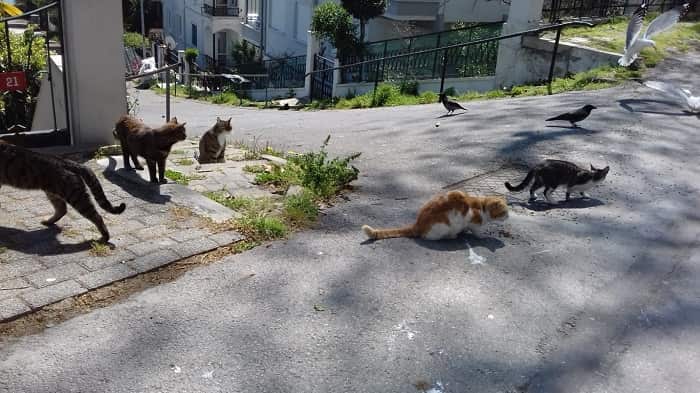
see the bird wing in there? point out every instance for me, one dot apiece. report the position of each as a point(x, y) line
point(635, 24)
point(665, 21)
point(670, 90)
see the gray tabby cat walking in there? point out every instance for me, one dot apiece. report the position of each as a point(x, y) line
point(553, 173)
point(212, 146)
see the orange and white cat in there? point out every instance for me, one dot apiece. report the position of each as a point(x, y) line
point(445, 216)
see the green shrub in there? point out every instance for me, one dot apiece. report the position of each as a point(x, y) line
point(408, 87)
point(323, 177)
point(135, 40)
point(450, 91)
point(301, 209)
point(385, 93)
point(191, 55)
point(332, 22)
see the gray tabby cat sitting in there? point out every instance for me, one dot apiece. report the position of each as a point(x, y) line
point(553, 173)
point(212, 146)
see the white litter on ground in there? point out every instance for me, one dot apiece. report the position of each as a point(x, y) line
point(208, 375)
point(439, 388)
point(474, 258)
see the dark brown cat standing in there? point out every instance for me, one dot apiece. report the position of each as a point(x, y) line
point(153, 144)
point(212, 146)
point(63, 181)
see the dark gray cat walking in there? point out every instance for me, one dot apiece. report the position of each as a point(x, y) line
point(551, 174)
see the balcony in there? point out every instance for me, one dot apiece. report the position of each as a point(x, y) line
point(220, 10)
point(415, 10)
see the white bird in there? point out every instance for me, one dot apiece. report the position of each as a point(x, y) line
point(682, 96)
point(634, 43)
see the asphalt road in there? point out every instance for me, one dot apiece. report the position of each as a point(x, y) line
point(592, 296)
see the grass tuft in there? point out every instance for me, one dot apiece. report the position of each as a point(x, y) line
point(181, 178)
point(98, 249)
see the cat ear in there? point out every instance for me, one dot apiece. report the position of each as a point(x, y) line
point(229, 120)
point(218, 119)
point(173, 120)
point(592, 167)
point(183, 124)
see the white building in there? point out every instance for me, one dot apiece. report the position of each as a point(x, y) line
point(278, 28)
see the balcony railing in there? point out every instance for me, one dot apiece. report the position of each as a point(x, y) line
point(220, 10)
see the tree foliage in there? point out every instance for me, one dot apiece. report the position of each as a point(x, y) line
point(333, 23)
point(28, 54)
point(364, 10)
point(135, 40)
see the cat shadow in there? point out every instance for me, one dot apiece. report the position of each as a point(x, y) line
point(462, 242)
point(41, 241)
point(646, 105)
point(451, 115)
point(133, 184)
point(574, 203)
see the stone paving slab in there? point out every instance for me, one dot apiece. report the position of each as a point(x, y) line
point(40, 265)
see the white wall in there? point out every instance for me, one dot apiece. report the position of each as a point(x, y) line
point(476, 11)
point(94, 65)
point(286, 27)
point(570, 58)
point(512, 65)
point(43, 113)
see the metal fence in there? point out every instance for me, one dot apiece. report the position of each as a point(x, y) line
point(477, 60)
point(283, 73)
point(443, 53)
point(554, 10)
point(27, 57)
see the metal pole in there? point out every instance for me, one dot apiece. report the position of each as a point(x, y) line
point(376, 82)
point(9, 50)
point(143, 32)
point(50, 77)
point(554, 59)
point(167, 95)
point(437, 45)
point(444, 71)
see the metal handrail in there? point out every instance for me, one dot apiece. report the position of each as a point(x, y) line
point(165, 69)
point(557, 27)
point(26, 14)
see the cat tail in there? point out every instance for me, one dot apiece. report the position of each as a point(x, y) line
point(376, 234)
point(522, 185)
point(91, 181)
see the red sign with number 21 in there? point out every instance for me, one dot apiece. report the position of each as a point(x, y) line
point(12, 81)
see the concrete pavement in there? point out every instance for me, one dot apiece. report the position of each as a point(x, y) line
point(596, 295)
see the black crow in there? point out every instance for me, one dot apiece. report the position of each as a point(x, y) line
point(575, 116)
point(449, 104)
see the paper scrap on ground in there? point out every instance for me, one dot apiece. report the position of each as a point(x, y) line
point(439, 388)
point(475, 258)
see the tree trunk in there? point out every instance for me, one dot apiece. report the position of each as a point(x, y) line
point(362, 30)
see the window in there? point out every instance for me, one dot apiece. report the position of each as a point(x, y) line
point(194, 35)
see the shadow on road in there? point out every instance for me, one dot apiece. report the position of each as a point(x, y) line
point(133, 184)
point(451, 115)
point(643, 105)
point(39, 241)
point(575, 203)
